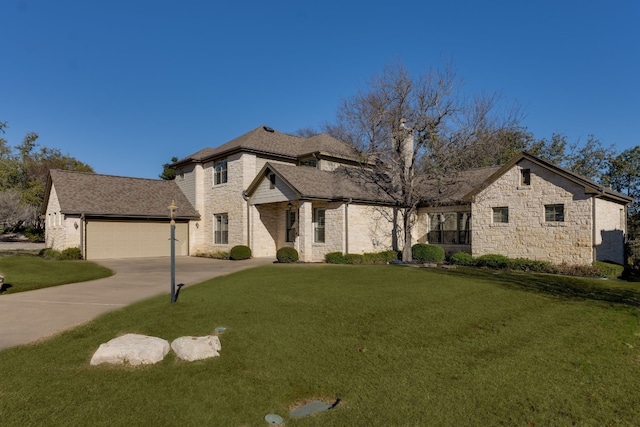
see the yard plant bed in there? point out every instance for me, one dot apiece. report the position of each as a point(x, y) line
point(398, 346)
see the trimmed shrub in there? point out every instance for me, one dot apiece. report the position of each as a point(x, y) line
point(462, 258)
point(493, 261)
point(65, 255)
point(213, 255)
point(240, 252)
point(525, 264)
point(335, 258)
point(354, 259)
point(287, 254)
point(380, 257)
point(427, 253)
point(608, 269)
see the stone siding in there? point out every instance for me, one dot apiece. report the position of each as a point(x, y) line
point(610, 231)
point(60, 230)
point(527, 234)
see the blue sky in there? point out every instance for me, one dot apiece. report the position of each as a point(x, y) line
point(126, 85)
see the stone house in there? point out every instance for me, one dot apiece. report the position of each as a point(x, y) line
point(266, 189)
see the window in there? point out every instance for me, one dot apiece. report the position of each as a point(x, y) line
point(220, 172)
point(221, 233)
point(451, 228)
point(501, 215)
point(525, 177)
point(272, 181)
point(291, 226)
point(313, 163)
point(318, 225)
point(554, 213)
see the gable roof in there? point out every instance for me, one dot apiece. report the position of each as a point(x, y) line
point(116, 196)
point(267, 141)
point(312, 183)
point(452, 189)
point(590, 186)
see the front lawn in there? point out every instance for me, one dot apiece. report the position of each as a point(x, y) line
point(26, 273)
point(400, 346)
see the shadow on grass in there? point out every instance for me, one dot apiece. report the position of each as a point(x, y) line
point(574, 288)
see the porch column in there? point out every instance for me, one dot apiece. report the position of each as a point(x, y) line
point(305, 231)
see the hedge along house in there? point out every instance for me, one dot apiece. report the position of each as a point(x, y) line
point(114, 217)
point(532, 209)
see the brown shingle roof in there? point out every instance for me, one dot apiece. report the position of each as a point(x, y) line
point(311, 183)
point(117, 196)
point(268, 141)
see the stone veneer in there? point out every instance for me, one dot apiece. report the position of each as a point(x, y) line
point(527, 234)
point(60, 232)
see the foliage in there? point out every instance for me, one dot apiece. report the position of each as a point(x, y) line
point(27, 273)
point(493, 261)
point(13, 213)
point(427, 253)
point(240, 252)
point(367, 258)
point(168, 173)
point(462, 258)
point(64, 255)
point(609, 270)
point(34, 234)
point(546, 355)
point(407, 129)
point(287, 255)
point(213, 255)
point(25, 169)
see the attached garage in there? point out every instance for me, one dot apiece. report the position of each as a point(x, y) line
point(115, 217)
point(133, 239)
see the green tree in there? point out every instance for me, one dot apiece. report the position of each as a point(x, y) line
point(167, 172)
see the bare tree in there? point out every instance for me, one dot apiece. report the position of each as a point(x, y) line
point(413, 133)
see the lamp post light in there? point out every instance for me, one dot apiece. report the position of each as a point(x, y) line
point(172, 215)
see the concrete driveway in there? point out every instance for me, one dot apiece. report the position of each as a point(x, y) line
point(30, 316)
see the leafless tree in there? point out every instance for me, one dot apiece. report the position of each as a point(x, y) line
point(412, 134)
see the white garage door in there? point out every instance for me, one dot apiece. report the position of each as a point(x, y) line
point(133, 239)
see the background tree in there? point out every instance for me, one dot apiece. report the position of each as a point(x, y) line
point(24, 170)
point(412, 131)
point(623, 176)
point(167, 172)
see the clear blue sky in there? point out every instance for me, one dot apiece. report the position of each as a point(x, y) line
point(126, 85)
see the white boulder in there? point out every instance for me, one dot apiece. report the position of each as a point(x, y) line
point(196, 348)
point(133, 349)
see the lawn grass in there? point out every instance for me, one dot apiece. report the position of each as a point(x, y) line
point(26, 273)
point(400, 346)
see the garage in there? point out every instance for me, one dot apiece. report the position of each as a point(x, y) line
point(133, 239)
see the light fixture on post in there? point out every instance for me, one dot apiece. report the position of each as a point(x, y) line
point(172, 216)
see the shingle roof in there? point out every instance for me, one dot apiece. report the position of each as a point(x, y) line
point(268, 141)
point(311, 183)
point(117, 196)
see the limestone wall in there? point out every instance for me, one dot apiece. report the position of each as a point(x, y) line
point(527, 234)
point(60, 230)
point(610, 231)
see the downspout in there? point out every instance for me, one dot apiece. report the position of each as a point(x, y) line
point(245, 196)
point(82, 237)
point(346, 225)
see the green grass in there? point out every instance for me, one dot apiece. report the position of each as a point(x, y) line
point(401, 347)
point(26, 273)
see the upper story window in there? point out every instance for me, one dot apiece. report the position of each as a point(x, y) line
point(501, 215)
point(291, 226)
point(313, 163)
point(554, 213)
point(525, 177)
point(272, 181)
point(220, 172)
point(318, 225)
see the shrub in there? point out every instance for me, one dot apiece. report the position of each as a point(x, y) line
point(335, 258)
point(354, 259)
point(380, 257)
point(240, 252)
point(213, 255)
point(65, 255)
point(287, 254)
point(525, 264)
point(462, 258)
point(609, 269)
point(427, 253)
point(493, 261)
point(575, 270)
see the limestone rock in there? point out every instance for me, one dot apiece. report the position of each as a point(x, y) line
point(196, 348)
point(133, 349)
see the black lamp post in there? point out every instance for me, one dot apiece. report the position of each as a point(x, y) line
point(172, 215)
